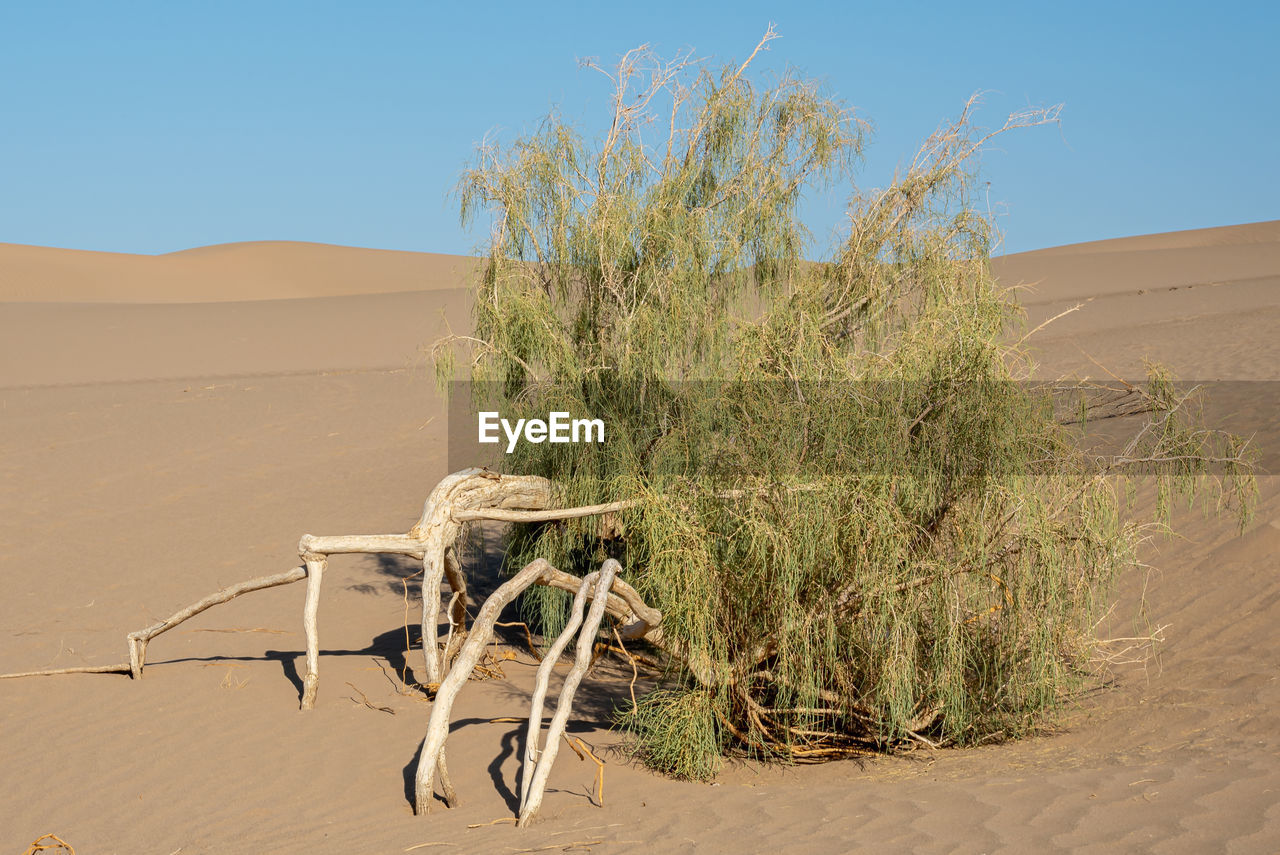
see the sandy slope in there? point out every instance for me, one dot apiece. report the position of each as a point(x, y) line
point(1140, 296)
point(78, 343)
point(256, 270)
point(150, 453)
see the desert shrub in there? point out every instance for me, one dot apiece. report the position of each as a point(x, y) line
point(863, 530)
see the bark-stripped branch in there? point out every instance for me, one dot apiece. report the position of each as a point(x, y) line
point(536, 780)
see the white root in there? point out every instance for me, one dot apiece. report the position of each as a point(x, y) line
point(465, 496)
point(481, 632)
point(315, 575)
point(545, 667)
point(436, 531)
point(549, 515)
point(119, 668)
point(531, 798)
point(639, 620)
point(138, 640)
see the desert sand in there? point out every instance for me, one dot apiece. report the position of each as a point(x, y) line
point(173, 424)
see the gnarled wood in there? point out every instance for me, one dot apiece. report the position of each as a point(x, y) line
point(315, 575)
point(481, 632)
point(138, 640)
point(469, 495)
point(541, 681)
point(534, 778)
point(437, 531)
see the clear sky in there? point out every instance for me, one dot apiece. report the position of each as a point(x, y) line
point(156, 126)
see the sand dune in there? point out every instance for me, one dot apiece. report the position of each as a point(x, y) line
point(58, 343)
point(258, 270)
point(151, 453)
point(267, 307)
point(1205, 302)
point(1267, 232)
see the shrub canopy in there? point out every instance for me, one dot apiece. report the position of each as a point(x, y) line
point(862, 530)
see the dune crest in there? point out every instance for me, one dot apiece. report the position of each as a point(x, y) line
point(233, 272)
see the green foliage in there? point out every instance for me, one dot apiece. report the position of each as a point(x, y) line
point(861, 529)
point(678, 733)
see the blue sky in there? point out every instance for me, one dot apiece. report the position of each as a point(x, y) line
point(157, 126)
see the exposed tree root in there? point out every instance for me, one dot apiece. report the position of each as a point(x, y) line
point(120, 668)
point(469, 495)
point(138, 640)
point(541, 682)
point(432, 753)
point(536, 782)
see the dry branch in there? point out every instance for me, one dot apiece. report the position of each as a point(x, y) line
point(120, 668)
point(542, 516)
point(39, 845)
point(472, 494)
point(541, 683)
point(584, 751)
point(531, 797)
point(315, 565)
point(138, 640)
point(432, 753)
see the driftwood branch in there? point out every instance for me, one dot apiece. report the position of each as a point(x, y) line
point(138, 640)
point(531, 794)
point(438, 727)
point(541, 683)
point(436, 532)
point(119, 668)
point(315, 565)
point(542, 516)
point(466, 496)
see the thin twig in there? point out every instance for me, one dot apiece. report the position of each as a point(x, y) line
point(497, 821)
point(528, 637)
point(599, 783)
point(634, 671)
point(364, 699)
